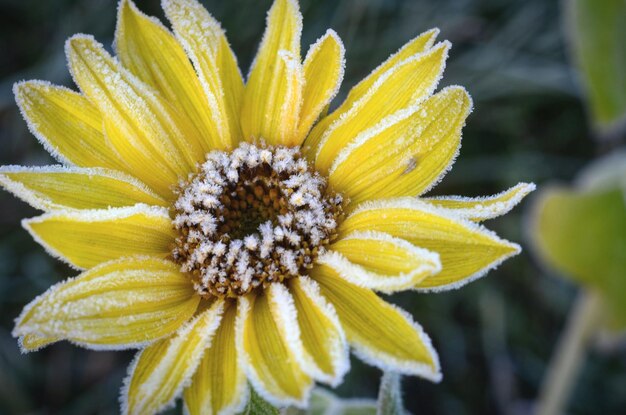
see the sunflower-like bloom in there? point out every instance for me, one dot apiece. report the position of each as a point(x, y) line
point(235, 232)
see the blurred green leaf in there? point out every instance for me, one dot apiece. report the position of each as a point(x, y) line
point(607, 173)
point(598, 37)
point(584, 236)
point(582, 233)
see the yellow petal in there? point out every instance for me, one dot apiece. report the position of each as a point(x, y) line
point(216, 65)
point(406, 153)
point(117, 305)
point(89, 237)
point(467, 250)
point(66, 124)
point(417, 45)
point(323, 72)
point(138, 124)
point(151, 53)
point(325, 361)
point(160, 371)
point(273, 94)
point(478, 209)
point(414, 47)
point(267, 357)
point(232, 87)
point(381, 262)
point(219, 385)
point(401, 86)
point(56, 187)
point(380, 333)
point(322, 337)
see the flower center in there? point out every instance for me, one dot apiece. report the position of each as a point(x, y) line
point(251, 217)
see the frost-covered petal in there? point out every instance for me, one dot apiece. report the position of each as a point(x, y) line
point(150, 52)
point(478, 209)
point(138, 124)
point(380, 333)
point(89, 237)
point(161, 371)
point(66, 124)
point(117, 305)
point(405, 84)
point(381, 262)
point(314, 338)
point(273, 94)
point(323, 72)
point(268, 359)
point(467, 250)
point(406, 153)
point(219, 385)
point(417, 45)
point(57, 187)
point(216, 65)
point(322, 336)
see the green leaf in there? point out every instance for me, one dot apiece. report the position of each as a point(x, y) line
point(598, 39)
point(390, 395)
point(258, 406)
point(582, 234)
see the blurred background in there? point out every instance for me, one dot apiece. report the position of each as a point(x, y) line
point(495, 336)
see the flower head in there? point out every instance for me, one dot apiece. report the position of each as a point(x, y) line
point(237, 232)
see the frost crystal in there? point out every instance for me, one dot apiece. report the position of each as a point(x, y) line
point(250, 217)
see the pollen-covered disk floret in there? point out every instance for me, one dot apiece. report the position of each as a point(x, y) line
point(251, 217)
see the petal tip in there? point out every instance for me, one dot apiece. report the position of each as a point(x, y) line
point(529, 187)
point(19, 89)
point(26, 92)
point(433, 32)
point(79, 39)
point(462, 93)
point(441, 48)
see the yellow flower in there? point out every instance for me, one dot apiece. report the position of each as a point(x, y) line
point(234, 232)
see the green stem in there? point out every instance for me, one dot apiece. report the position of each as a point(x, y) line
point(570, 354)
point(390, 395)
